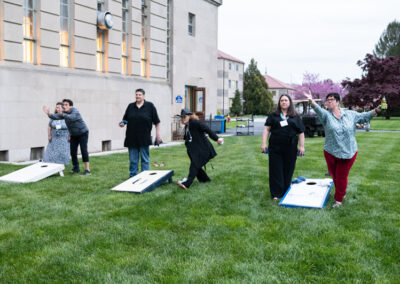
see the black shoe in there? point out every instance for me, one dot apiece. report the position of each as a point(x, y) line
point(75, 171)
point(86, 172)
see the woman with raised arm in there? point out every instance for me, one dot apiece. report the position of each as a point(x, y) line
point(57, 151)
point(340, 148)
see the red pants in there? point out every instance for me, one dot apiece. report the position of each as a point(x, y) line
point(339, 170)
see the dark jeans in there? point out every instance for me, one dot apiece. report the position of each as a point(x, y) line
point(81, 140)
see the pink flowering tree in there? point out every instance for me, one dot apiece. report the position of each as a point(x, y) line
point(319, 88)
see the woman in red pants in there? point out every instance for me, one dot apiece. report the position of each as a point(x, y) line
point(340, 149)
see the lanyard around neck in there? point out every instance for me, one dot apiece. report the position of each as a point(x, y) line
point(284, 117)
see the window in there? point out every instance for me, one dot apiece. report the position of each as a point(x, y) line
point(191, 25)
point(100, 41)
point(230, 84)
point(230, 66)
point(237, 67)
point(125, 37)
point(169, 7)
point(100, 50)
point(64, 33)
point(143, 49)
point(29, 43)
point(237, 85)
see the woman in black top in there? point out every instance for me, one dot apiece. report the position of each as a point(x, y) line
point(199, 148)
point(285, 130)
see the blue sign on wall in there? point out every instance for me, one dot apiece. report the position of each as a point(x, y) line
point(200, 99)
point(178, 99)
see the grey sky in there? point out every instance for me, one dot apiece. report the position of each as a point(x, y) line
point(290, 37)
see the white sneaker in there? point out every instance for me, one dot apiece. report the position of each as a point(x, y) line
point(337, 204)
point(183, 180)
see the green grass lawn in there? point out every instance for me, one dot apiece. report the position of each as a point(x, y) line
point(380, 123)
point(74, 229)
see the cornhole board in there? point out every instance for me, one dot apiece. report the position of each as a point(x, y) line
point(311, 193)
point(145, 181)
point(34, 173)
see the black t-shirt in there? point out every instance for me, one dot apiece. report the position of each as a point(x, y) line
point(140, 121)
point(295, 126)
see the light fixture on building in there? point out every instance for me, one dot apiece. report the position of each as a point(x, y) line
point(104, 20)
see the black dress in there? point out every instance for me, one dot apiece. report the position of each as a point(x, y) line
point(282, 149)
point(199, 150)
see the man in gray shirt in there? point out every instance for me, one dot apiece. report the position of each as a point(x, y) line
point(79, 133)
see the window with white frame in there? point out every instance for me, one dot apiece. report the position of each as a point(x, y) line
point(237, 67)
point(143, 49)
point(65, 33)
point(191, 24)
point(230, 84)
point(237, 85)
point(100, 42)
point(29, 26)
point(230, 66)
point(125, 38)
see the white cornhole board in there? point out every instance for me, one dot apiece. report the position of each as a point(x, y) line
point(145, 181)
point(34, 173)
point(311, 193)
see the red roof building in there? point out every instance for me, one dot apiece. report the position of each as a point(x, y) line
point(278, 88)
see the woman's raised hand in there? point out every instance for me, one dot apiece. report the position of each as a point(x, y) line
point(308, 95)
point(46, 110)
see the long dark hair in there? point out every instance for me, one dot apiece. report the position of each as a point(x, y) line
point(291, 111)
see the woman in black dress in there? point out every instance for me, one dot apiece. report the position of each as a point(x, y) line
point(285, 131)
point(199, 148)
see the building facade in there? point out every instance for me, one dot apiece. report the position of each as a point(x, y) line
point(278, 88)
point(97, 52)
point(230, 79)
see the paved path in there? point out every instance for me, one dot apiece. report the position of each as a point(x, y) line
point(258, 127)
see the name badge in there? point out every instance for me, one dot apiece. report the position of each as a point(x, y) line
point(284, 123)
point(58, 126)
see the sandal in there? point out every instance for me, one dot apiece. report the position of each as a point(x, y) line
point(155, 164)
point(162, 164)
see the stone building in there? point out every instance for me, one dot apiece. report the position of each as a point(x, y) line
point(230, 79)
point(97, 52)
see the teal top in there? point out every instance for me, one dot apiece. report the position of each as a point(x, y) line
point(340, 139)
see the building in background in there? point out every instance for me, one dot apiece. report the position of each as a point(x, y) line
point(230, 79)
point(97, 53)
point(278, 88)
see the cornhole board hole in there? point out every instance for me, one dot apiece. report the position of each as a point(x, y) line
point(311, 193)
point(34, 173)
point(145, 181)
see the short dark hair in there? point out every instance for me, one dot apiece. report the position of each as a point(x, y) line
point(68, 101)
point(140, 90)
point(336, 96)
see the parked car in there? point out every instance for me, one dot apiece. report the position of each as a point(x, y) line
point(310, 119)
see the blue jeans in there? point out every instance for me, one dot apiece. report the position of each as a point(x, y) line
point(134, 160)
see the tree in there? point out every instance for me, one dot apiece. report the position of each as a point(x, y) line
point(258, 100)
point(236, 108)
point(389, 42)
point(380, 78)
point(319, 88)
